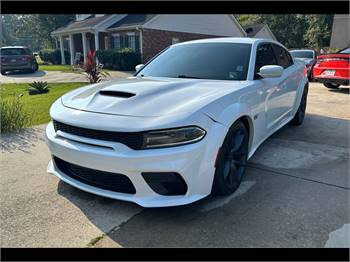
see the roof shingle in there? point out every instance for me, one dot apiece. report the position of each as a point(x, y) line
point(132, 20)
point(90, 22)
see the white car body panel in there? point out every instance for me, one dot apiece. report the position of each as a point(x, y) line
point(161, 103)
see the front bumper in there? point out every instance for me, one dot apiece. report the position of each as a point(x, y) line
point(194, 162)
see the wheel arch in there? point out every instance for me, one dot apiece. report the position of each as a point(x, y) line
point(248, 123)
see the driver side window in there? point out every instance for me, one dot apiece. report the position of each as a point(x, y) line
point(264, 56)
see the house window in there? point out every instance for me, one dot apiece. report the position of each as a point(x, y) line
point(116, 43)
point(130, 40)
point(175, 40)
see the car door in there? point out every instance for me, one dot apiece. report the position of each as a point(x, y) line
point(284, 95)
point(270, 89)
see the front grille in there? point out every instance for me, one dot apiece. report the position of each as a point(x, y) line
point(130, 139)
point(101, 179)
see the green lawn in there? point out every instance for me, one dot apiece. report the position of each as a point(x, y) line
point(62, 68)
point(38, 105)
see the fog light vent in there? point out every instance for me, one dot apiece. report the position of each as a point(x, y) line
point(166, 183)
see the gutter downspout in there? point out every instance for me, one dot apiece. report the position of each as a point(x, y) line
point(141, 42)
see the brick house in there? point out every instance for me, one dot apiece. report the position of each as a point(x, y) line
point(144, 33)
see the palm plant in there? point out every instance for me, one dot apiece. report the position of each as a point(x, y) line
point(39, 87)
point(93, 70)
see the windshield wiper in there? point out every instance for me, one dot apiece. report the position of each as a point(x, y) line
point(185, 76)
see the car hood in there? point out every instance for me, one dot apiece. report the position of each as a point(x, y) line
point(148, 96)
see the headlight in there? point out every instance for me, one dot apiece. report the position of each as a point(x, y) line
point(172, 137)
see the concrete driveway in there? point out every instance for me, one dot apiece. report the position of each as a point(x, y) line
point(53, 77)
point(295, 194)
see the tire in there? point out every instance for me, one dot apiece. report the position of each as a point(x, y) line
point(231, 162)
point(3, 72)
point(299, 116)
point(33, 68)
point(331, 86)
point(311, 76)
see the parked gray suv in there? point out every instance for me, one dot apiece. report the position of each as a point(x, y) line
point(15, 58)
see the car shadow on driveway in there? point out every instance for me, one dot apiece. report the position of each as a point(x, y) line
point(20, 74)
point(341, 90)
point(104, 213)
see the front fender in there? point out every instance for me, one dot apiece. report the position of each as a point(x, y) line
point(231, 114)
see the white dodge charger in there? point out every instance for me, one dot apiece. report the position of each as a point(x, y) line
point(182, 127)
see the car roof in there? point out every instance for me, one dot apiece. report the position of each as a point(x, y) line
point(16, 46)
point(241, 40)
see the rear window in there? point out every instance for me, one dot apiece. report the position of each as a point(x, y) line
point(302, 54)
point(13, 51)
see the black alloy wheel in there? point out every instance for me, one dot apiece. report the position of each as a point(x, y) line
point(231, 163)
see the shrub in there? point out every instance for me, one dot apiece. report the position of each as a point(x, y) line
point(104, 57)
point(53, 56)
point(93, 70)
point(40, 87)
point(129, 59)
point(12, 114)
point(124, 59)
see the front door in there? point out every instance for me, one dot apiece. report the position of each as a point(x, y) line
point(284, 95)
point(270, 89)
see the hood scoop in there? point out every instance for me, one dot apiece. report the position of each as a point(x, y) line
point(116, 93)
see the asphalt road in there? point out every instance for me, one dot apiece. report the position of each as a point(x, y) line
point(295, 194)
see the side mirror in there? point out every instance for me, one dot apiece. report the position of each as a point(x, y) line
point(138, 67)
point(269, 71)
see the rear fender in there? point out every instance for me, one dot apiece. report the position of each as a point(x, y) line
point(304, 82)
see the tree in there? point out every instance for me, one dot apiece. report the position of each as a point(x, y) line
point(9, 24)
point(295, 30)
point(41, 27)
point(246, 19)
point(32, 30)
point(318, 33)
point(287, 28)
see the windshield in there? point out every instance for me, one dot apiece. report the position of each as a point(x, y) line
point(346, 51)
point(218, 61)
point(302, 54)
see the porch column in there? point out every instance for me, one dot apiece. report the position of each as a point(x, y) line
point(71, 49)
point(84, 45)
point(63, 61)
point(97, 43)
